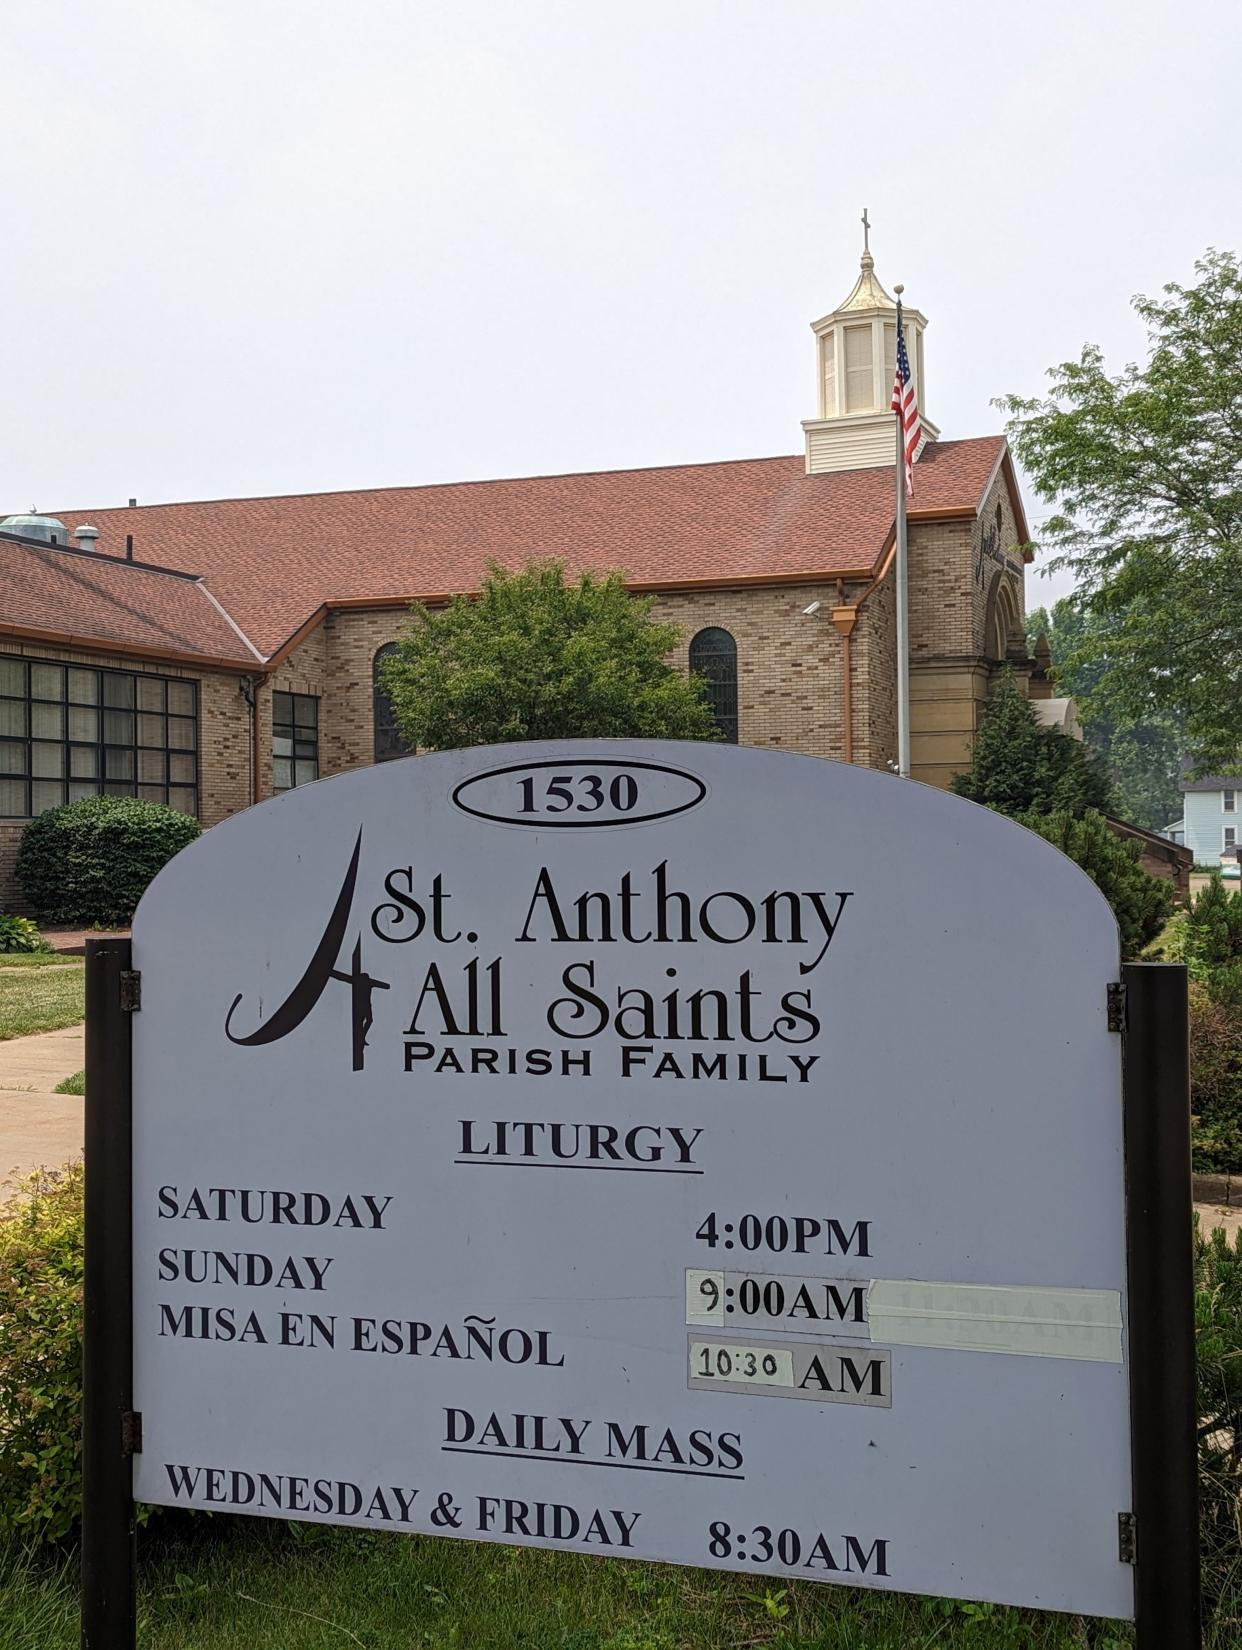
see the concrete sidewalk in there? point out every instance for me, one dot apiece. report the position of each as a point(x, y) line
point(37, 1126)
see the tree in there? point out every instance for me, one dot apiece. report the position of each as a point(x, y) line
point(1018, 767)
point(1141, 903)
point(1145, 470)
point(535, 658)
point(1142, 755)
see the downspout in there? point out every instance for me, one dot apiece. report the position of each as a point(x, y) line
point(250, 693)
point(844, 618)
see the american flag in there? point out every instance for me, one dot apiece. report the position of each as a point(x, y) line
point(904, 405)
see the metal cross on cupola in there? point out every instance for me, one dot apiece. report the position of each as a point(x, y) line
point(866, 223)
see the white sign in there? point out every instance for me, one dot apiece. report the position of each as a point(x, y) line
point(662, 1150)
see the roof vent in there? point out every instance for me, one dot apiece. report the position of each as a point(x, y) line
point(34, 526)
point(86, 536)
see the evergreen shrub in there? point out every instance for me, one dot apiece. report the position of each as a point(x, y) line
point(1140, 902)
point(89, 863)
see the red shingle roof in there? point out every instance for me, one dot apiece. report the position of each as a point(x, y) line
point(274, 562)
point(46, 589)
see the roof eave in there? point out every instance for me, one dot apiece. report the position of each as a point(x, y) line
point(128, 650)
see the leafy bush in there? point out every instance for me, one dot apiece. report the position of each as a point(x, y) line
point(1215, 1082)
point(41, 1355)
point(90, 862)
point(533, 657)
point(1218, 1342)
point(1141, 903)
point(20, 934)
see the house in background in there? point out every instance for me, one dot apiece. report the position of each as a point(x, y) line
point(1210, 825)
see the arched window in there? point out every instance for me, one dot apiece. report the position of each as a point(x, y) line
point(388, 740)
point(713, 656)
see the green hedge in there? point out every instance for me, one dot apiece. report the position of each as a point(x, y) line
point(89, 863)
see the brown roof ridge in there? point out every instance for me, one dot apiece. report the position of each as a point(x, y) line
point(96, 556)
point(502, 481)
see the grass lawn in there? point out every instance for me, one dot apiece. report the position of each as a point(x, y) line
point(72, 1085)
point(239, 1584)
point(40, 999)
point(38, 959)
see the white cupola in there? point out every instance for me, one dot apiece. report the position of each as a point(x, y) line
point(856, 362)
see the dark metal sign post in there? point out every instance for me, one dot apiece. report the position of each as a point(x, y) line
point(1164, 1414)
point(108, 1425)
point(1161, 1537)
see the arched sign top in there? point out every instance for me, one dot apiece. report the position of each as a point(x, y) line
point(800, 1125)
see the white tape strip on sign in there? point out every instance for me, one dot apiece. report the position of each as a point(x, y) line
point(968, 1317)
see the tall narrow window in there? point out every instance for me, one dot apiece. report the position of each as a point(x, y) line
point(1229, 801)
point(713, 656)
point(295, 740)
point(388, 740)
point(859, 376)
point(830, 375)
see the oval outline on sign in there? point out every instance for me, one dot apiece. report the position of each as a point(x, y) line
point(572, 763)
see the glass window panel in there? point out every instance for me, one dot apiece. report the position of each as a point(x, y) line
point(118, 764)
point(13, 677)
point(118, 690)
point(45, 794)
point(79, 791)
point(306, 747)
point(47, 682)
point(282, 746)
point(12, 756)
point(47, 721)
point(151, 769)
point(83, 724)
point(305, 772)
point(84, 687)
point(118, 789)
point(151, 730)
point(305, 710)
point(83, 762)
point(181, 733)
point(119, 727)
point(282, 707)
point(13, 799)
point(182, 798)
point(181, 698)
point(13, 717)
point(181, 770)
point(47, 761)
point(150, 693)
point(282, 773)
point(152, 793)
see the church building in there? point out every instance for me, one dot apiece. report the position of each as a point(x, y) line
point(206, 655)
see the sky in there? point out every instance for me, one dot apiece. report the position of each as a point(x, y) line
point(269, 246)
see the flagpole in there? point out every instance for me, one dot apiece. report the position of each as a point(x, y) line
point(903, 615)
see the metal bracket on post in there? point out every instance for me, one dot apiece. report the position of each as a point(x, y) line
point(131, 990)
point(1161, 1308)
point(1117, 1006)
point(1127, 1532)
